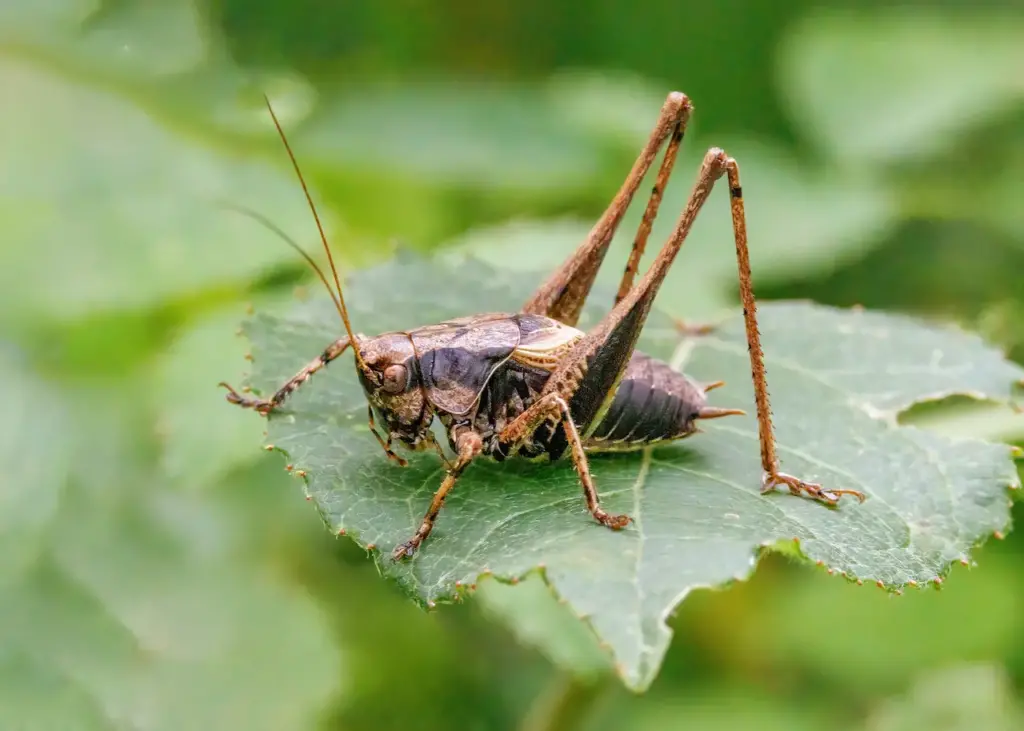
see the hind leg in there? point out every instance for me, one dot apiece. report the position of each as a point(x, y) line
point(562, 296)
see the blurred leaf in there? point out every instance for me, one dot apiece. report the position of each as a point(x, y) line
point(126, 40)
point(201, 440)
point(606, 104)
point(877, 86)
point(141, 611)
point(35, 697)
point(958, 698)
point(158, 640)
point(838, 380)
point(955, 186)
point(126, 218)
point(205, 616)
point(468, 134)
point(230, 99)
point(154, 631)
point(537, 618)
point(914, 633)
point(35, 451)
point(937, 269)
point(165, 51)
point(45, 19)
point(975, 420)
point(525, 245)
point(723, 707)
point(156, 624)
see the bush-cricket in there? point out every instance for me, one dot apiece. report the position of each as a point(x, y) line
point(530, 384)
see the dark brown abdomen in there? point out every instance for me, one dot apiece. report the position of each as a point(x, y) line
point(653, 403)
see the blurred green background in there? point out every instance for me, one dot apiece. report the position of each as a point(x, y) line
point(158, 571)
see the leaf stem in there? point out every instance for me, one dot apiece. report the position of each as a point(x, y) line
point(564, 704)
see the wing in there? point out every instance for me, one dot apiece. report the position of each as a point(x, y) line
point(458, 357)
point(543, 341)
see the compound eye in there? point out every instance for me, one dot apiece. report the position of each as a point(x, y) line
point(395, 378)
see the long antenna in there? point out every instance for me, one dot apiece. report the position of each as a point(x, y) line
point(266, 222)
point(340, 301)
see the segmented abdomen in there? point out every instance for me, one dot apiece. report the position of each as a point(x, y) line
point(653, 403)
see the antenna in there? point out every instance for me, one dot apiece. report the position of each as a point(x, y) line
point(340, 299)
point(267, 223)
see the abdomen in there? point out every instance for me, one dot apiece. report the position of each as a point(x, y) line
point(653, 403)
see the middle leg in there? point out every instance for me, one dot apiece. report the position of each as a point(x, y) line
point(553, 408)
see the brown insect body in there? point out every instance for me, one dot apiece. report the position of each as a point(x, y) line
point(531, 384)
point(482, 372)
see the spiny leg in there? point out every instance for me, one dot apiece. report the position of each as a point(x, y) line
point(598, 360)
point(264, 406)
point(647, 223)
point(766, 435)
point(553, 408)
point(562, 296)
point(611, 342)
point(644, 232)
point(469, 446)
point(651, 212)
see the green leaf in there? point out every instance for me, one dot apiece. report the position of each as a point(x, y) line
point(128, 218)
point(873, 624)
point(958, 698)
point(900, 83)
point(149, 638)
point(727, 706)
point(148, 619)
point(200, 441)
point(35, 454)
point(35, 696)
point(166, 52)
point(537, 618)
point(126, 40)
point(468, 134)
point(838, 381)
point(140, 606)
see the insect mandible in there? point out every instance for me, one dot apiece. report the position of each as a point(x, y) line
point(530, 383)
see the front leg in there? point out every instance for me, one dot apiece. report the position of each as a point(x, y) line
point(469, 445)
point(553, 408)
point(265, 406)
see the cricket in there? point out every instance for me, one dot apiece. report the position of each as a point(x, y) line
point(530, 384)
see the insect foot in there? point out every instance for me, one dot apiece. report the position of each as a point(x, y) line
point(405, 550)
point(813, 490)
point(615, 522)
point(260, 405)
